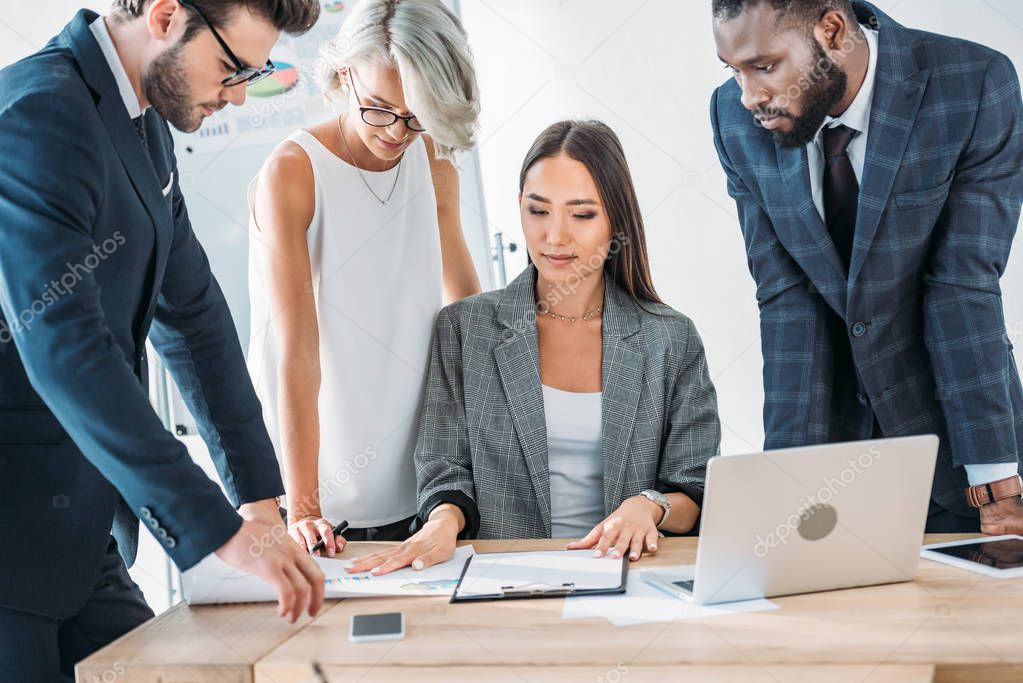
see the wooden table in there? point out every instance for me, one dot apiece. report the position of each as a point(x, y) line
point(947, 625)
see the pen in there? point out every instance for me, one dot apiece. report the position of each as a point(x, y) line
point(319, 673)
point(337, 530)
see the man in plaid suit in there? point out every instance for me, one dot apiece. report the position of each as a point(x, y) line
point(878, 174)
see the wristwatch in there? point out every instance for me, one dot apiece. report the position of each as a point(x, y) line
point(660, 499)
point(983, 494)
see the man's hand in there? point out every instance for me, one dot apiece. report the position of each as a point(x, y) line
point(265, 510)
point(263, 548)
point(1002, 517)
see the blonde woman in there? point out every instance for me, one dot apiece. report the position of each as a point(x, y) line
point(356, 245)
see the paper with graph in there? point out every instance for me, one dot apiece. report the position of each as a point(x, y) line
point(213, 581)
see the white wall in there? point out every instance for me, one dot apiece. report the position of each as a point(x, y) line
point(647, 69)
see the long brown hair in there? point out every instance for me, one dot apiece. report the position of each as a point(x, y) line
point(596, 146)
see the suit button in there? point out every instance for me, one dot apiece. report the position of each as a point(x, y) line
point(170, 542)
point(145, 513)
point(161, 533)
point(862, 399)
point(858, 329)
point(153, 524)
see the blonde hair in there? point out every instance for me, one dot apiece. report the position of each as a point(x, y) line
point(428, 46)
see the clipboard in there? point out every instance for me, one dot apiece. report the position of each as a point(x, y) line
point(531, 574)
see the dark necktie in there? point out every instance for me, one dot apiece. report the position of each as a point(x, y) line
point(841, 191)
point(140, 128)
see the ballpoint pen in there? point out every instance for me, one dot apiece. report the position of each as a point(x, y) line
point(339, 529)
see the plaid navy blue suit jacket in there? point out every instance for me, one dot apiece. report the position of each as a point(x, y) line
point(939, 204)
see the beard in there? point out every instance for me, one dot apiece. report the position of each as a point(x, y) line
point(828, 83)
point(166, 88)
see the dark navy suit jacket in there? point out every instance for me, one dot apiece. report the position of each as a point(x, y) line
point(96, 253)
point(922, 311)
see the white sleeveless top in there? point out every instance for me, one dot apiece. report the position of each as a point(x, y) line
point(575, 460)
point(376, 274)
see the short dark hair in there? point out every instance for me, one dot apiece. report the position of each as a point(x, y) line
point(287, 16)
point(791, 12)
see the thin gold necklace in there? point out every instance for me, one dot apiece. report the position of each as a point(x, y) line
point(364, 181)
point(568, 318)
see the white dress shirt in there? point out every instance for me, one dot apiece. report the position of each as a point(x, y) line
point(857, 117)
point(106, 44)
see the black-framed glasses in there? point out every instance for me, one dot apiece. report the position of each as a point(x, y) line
point(380, 117)
point(243, 74)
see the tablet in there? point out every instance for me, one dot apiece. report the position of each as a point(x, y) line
point(997, 556)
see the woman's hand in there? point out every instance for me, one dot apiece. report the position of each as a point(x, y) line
point(310, 530)
point(434, 543)
point(626, 529)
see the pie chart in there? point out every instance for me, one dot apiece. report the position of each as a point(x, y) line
point(278, 83)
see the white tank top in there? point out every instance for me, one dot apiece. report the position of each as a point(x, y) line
point(575, 460)
point(376, 273)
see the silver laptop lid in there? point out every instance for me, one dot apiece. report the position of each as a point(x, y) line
point(814, 518)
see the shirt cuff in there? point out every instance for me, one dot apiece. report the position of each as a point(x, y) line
point(455, 497)
point(989, 472)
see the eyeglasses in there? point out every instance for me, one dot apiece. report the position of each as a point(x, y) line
point(243, 74)
point(380, 117)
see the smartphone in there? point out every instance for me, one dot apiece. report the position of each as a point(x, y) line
point(366, 628)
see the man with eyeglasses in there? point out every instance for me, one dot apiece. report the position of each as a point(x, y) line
point(96, 254)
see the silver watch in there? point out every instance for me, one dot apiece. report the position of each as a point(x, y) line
point(660, 499)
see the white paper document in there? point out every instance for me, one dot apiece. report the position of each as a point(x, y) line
point(643, 603)
point(213, 581)
point(492, 574)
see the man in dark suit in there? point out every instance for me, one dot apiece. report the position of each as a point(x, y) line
point(878, 173)
point(96, 253)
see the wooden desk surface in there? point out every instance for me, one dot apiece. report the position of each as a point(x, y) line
point(939, 627)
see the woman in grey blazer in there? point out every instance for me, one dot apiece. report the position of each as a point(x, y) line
point(573, 402)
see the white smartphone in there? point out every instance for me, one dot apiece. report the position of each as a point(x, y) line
point(366, 628)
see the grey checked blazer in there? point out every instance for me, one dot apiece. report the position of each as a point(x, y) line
point(483, 435)
point(922, 307)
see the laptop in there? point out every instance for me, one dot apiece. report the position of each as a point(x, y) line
point(809, 519)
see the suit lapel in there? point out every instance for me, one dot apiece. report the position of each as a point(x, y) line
point(622, 382)
point(805, 236)
point(898, 90)
point(134, 157)
point(518, 363)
